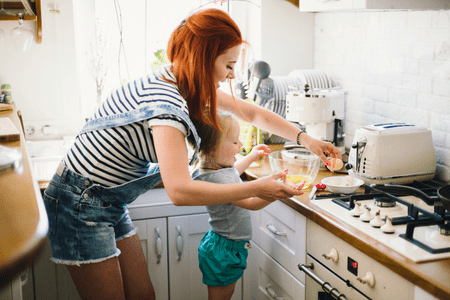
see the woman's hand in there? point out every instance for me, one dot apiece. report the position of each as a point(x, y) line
point(271, 188)
point(320, 148)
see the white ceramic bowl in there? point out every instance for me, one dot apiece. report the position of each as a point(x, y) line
point(334, 184)
point(302, 165)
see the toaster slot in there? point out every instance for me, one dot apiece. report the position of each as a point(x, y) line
point(360, 146)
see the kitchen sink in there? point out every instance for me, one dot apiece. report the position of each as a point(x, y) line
point(45, 156)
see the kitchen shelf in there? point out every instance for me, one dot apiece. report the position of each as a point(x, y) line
point(36, 10)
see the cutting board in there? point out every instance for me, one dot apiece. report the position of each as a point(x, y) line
point(8, 132)
point(4, 106)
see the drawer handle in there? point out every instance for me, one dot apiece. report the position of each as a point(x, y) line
point(272, 293)
point(274, 230)
point(179, 242)
point(158, 245)
point(327, 288)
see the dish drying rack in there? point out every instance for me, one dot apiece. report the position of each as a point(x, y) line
point(272, 91)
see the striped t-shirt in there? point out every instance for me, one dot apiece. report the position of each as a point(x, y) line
point(116, 155)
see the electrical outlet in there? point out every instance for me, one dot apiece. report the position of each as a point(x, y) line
point(41, 130)
point(30, 130)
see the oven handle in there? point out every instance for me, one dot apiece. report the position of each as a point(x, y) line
point(328, 288)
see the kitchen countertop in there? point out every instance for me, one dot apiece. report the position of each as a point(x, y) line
point(433, 277)
point(23, 220)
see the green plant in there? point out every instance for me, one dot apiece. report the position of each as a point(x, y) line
point(161, 58)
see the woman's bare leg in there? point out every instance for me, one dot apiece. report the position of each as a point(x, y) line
point(221, 292)
point(102, 280)
point(123, 277)
point(136, 281)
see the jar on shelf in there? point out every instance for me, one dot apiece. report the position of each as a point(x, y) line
point(6, 91)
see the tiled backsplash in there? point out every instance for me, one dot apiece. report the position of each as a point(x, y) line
point(395, 66)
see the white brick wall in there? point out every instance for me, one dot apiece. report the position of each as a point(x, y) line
point(395, 66)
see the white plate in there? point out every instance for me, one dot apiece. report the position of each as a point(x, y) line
point(313, 78)
point(298, 74)
point(309, 79)
point(328, 80)
point(318, 79)
point(322, 79)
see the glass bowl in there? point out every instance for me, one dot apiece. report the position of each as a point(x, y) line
point(302, 165)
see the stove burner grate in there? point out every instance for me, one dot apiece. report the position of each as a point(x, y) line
point(410, 232)
point(384, 202)
point(416, 217)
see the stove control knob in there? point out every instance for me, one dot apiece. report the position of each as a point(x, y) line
point(366, 216)
point(369, 279)
point(388, 227)
point(357, 211)
point(377, 222)
point(333, 255)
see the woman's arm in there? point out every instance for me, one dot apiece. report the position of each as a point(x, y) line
point(253, 203)
point(172, 154)
point(273, 123)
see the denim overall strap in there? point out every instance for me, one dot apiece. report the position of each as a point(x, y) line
point(128, 192)
point(144, 113)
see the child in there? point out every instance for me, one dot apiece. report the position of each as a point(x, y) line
point(223, 250)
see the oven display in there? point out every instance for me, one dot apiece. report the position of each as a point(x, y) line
point(352, 266)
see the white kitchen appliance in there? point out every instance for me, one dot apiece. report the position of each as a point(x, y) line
point(408, 218)
point(321, 112)
point(392, 153)
point(337, 270)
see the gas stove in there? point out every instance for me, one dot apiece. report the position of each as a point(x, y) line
point(401, 220)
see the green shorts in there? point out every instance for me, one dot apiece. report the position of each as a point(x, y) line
point(222, 261)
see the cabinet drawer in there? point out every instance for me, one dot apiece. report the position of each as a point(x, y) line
point(281, 232)
point(267, 279)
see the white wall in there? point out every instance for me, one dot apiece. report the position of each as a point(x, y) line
point(286, 37)
point(44, 80)
point(395, 66)
point(277, 32)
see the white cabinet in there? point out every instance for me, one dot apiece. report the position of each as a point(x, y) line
point(153, 236)
point(171, 251)
point(343, 5)
point(13, 290)
point(185, 234)
point(279, 236)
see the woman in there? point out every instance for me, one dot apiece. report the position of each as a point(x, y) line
point(138, 138)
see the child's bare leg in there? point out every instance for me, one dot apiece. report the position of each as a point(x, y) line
point(220, 292)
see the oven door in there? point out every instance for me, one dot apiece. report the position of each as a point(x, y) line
point(334, 287)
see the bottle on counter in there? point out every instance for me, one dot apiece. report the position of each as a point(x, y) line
point(6, 91)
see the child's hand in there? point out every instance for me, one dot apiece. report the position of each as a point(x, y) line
point(296, 186)
point(258, 151)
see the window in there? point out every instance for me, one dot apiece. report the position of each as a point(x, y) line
point(120, 38)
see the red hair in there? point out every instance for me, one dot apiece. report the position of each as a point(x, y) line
point(193, 49)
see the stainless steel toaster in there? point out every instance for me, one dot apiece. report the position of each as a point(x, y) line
point(392, 153)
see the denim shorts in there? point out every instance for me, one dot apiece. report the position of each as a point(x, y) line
point(83, 226)
point(222, 261)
